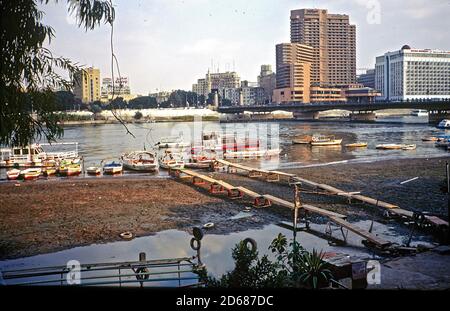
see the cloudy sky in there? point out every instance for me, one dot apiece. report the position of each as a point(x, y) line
point(168, 44)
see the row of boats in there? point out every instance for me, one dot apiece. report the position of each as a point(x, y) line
point(330, 140)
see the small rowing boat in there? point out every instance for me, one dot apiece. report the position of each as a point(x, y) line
point(70, 169)
point(93, 170)
point(49, 171)
point(302, 140)
point(112, 168)
point(430, 138)
point(409, 147)
point(13, 174)
point(31, 173)
point(171, 160)
point(143, 161)
point(356, 145)
point(322, 140)
point(389, 146)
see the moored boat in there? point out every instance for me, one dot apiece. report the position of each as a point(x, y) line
point(171, 160)
point(71, 169)
point(31, 173)
point(13, 174)
point(93, 170)
point(143, 161)
point(443, 143)
point(323, 140)
point(302, 140)
point(409, 147)
point(389, 146)
point(49, 171)
point(444, 124)
point(356, 145)
point(112, 167)
point(430, 138)
point(175, 142)
point(419, 113)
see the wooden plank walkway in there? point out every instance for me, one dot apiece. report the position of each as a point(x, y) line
point(361, 232)
point(276, 175)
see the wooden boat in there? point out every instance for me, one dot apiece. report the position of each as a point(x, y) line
point(49, 171)
point(430, 138)
point(409, 147)
point(34, 155)
point(143, 161)
point(13, 174)
point(200, 160)
point(93, 170)
point(302, 140)
point(171, 160)
point(325, 141)
point(356, 145)
point(389, 146)
point(31, 173)
point(71, 169)
point(112, 167)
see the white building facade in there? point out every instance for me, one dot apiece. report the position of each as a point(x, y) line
point(413, 74)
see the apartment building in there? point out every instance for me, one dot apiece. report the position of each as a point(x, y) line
point(87, 85)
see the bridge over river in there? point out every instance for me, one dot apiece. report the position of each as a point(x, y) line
point(437, 110)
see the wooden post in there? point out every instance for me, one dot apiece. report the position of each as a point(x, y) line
point(448, 198)
point(296, 207)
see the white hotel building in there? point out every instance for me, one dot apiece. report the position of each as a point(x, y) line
point(412, 74)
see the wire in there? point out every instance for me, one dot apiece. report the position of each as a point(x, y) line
point(114, 60)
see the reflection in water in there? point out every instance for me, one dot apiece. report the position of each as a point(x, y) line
point(215, 250)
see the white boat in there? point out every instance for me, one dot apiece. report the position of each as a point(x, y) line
point(143, 161)
point(93, 170)
point(322, 140)
point(34, 155)
point(409, 147)
point(112, 167)
point(444, 124)
point(244, 154)
point(389, 146)
point(13, 174)
point(419, 113)
point(202, 159)
point(171, 160)
point(175, 142)
point(31, 173)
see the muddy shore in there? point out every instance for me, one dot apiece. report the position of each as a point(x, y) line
point(50, 215)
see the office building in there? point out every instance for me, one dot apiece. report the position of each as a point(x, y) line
point(87, 85)
point(367, 79)
point(267, 80)
point(333, 40)
point(218, 81)
point(413, 74)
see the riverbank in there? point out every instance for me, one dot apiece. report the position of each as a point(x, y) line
point(46, 216)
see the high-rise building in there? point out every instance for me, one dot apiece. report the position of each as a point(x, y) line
point(121, 87)
point(218, 81)
point(293, 73)
point(412, 74)
point(367, 79)
point(267, 80)
point(87, 85)
point(334, 41)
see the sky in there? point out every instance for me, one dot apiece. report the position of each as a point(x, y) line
point(169, 44)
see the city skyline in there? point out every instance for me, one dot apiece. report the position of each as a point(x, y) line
point(169, 51)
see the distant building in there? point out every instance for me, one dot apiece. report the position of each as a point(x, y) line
point(360, 94)
point(367, 79)
point(245, 95)
point(218, 81)
point(413, 74)
point(121, 87)
point(267, 80)
point(161, 96)
point(333, 39)
point(87, 85)
point(293, 72)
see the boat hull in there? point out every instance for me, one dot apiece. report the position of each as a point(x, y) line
point(335, 142)
point(141, 167)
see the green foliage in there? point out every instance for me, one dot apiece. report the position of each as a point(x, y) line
point(293, 266)
point(143, 102)
point(30, 72)
point(138, 115)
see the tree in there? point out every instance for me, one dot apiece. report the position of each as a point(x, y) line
point(143, 102)
point(138, 115)
point(29, 72)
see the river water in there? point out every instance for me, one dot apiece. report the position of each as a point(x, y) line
point(111, 140)
point(105, 141)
